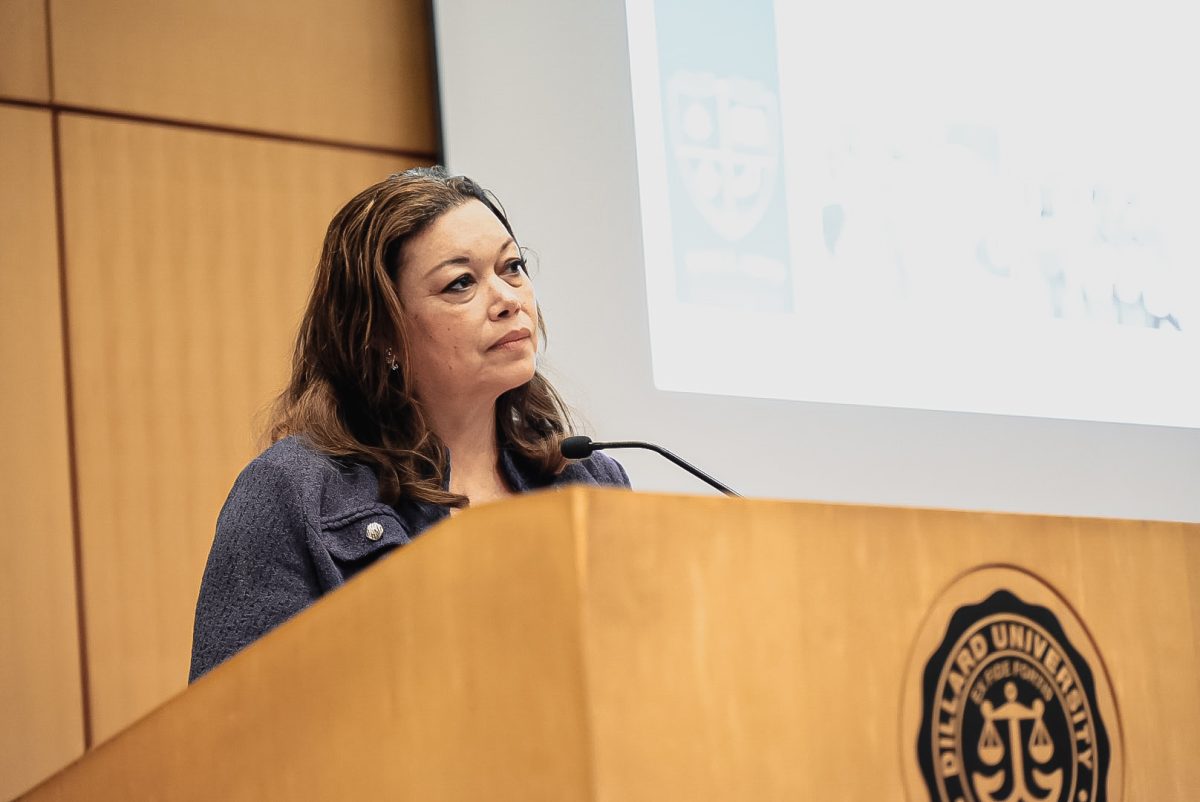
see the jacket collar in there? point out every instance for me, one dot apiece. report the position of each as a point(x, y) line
point(517, 473)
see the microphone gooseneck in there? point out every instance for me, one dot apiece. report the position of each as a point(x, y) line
point(580, 447)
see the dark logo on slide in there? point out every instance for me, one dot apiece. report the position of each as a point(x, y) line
point(1009, 710)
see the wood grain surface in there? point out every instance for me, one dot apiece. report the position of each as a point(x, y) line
point(189, 258)
point(41, 707)
point(24, 68)
point(357, 71)
point(602, 645)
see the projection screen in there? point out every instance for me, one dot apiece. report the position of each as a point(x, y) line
point(839, 252)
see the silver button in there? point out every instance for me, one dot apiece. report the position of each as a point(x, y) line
point(374, 530)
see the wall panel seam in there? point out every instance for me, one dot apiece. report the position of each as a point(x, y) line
point(68, 399)
point(72, 454)
point(272, 136)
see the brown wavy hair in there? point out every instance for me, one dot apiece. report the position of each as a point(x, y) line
point(343, 396)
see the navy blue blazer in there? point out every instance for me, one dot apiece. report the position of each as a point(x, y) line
point(298, 524)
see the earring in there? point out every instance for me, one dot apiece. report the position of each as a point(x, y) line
point(390, 357)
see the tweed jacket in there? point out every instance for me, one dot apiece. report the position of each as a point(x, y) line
point(298, 524)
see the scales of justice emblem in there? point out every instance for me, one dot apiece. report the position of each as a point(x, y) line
point(1007, 699)
point(994, 747)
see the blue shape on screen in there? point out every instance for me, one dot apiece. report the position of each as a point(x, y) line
point(724, 153)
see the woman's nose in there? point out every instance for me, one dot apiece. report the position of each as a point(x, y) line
point(505, 300)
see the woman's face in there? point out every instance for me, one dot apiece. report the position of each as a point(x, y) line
point(473, 332)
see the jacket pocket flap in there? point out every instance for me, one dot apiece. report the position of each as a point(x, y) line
point(363, 533)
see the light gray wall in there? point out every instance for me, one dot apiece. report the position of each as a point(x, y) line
point(536, 106)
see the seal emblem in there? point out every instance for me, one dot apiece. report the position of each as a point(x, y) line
point(725, 135)
point(1009, 707)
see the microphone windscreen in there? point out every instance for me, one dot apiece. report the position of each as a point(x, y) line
point(577, 447)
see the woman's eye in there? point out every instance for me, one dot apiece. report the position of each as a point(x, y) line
point(516, 266)
point(461, 283)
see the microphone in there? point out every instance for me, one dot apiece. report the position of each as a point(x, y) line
point(579, 447)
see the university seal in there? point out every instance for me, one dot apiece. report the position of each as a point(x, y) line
point(1009, 707)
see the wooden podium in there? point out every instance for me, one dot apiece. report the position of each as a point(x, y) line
point(606, 645)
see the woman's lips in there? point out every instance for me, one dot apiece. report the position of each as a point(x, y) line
point(511, 341)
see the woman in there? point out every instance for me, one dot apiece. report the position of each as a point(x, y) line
point(414, 392)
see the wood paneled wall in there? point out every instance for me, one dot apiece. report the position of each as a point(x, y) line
point(342, 70)
point(167, 170)
point(41, 710)
point(24, 70)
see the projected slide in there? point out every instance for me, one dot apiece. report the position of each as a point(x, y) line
point(979, 207)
